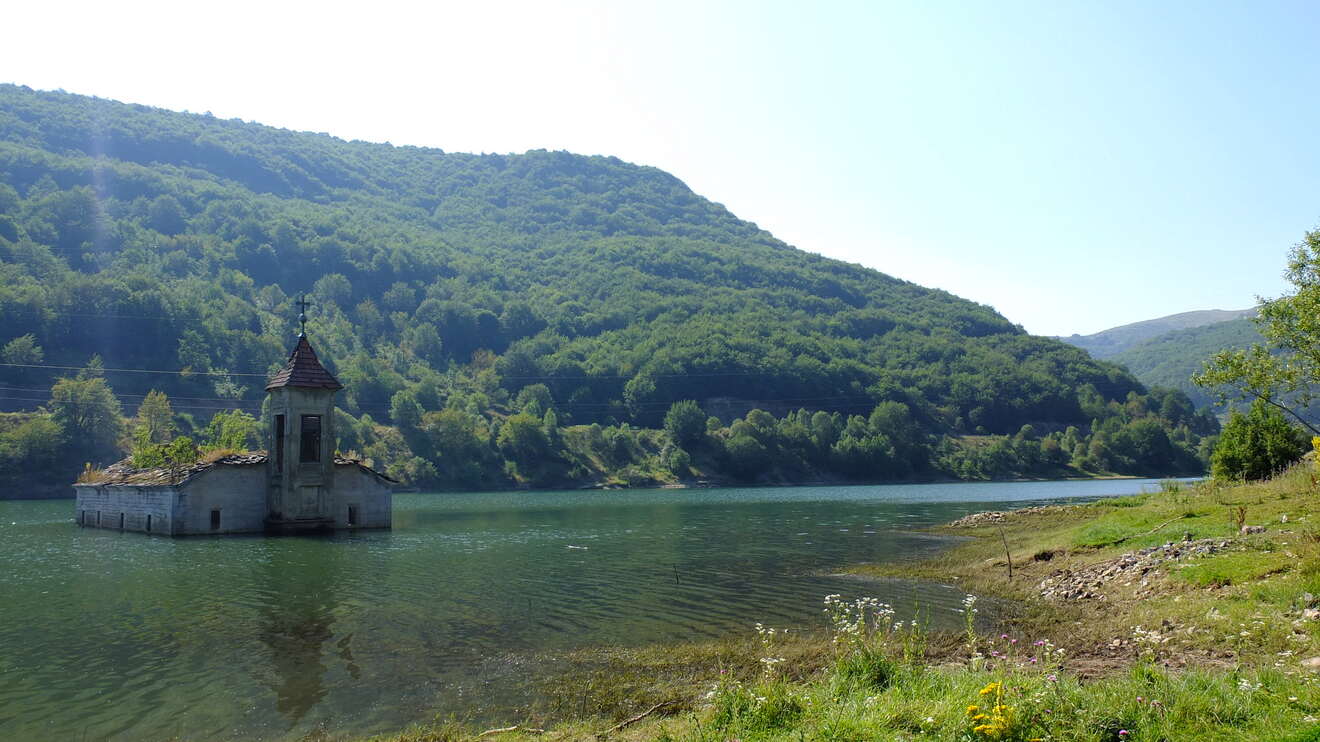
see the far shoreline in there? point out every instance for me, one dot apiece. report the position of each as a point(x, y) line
point(65, 492)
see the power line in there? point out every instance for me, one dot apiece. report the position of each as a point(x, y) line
point(602, 377)
point(135, 370)
point(125, 394)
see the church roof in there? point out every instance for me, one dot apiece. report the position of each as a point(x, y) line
point(122, 473)
point(303, 370)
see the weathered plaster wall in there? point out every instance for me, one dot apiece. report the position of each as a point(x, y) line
point(238, 492)
point(369, 494)
point(134, 504)
point(301, 487)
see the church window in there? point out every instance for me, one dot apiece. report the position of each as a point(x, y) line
point(215, 520)
point(311, 439)
point(278, 443)
point(148, 523)
point(121, 521)
point(352, 515)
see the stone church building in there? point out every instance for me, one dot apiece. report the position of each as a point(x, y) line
point(297, 485)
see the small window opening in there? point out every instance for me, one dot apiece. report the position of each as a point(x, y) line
point(215, 520)
point(352, 515)
point(121, 521)
point(311, 439)
point(148, 523)
point(278, 443)
point(98, 518)
point(82, 517)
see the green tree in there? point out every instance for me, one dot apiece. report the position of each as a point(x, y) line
point(534, 399)
point(1256, 445)
point(334, 287)
point(177, 452)
point(748, 457)
point(154, 422)
point(22, 350)
point(166, 216)
point(678, 461)
point(523, 440)
point(462, 453)
point(1284, 370)
point(89, 416)
point(423, 340)
point(686, 422)
point(33, 445)
point(233, 429)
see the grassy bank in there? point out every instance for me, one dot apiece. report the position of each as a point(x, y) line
point(1152, 617)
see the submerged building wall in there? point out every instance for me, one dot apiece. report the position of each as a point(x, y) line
point(128, 508)
point(360, 499)
point(225, 498)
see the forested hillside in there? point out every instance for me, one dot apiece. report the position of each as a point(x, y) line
point(1171, 359)
point(501, 319)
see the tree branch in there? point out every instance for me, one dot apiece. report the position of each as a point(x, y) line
point(514, 728)
point(635, 719)
point(1296, 416)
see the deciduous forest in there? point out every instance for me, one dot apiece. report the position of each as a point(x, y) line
point(542, 319)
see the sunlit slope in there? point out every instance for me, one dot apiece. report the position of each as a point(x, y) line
point(165, 240)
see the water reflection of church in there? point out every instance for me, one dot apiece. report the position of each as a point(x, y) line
point(297, 628)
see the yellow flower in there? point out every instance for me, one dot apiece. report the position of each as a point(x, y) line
point(972, 709)
point(991, 688)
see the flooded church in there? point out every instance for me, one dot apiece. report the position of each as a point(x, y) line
point(297, 485)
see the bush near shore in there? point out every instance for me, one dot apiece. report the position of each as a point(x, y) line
point(1172, 641)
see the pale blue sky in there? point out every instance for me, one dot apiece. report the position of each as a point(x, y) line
point(1074, 165)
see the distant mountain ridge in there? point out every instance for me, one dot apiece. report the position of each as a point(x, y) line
point(1107, 344)
point(1171, 359)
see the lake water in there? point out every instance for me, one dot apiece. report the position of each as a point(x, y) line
point(108, 635)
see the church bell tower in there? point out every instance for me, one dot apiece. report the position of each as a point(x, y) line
point(301, 426)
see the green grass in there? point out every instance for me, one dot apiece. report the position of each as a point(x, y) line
point(1233, 569)
point(1150, 703)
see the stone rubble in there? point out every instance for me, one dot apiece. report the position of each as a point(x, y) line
point(1088, 582)
point(998, 516)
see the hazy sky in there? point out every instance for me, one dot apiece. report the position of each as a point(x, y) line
point(1074, 165)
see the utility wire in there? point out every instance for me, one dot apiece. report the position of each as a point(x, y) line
point(134, 370)
point(603, 377)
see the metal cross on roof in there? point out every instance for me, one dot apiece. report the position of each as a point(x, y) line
point(302, 314)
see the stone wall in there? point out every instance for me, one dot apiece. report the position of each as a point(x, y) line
point(238, 492)
point(366, 493)
point(132, 508)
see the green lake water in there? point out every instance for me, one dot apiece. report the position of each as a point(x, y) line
point(122, 636)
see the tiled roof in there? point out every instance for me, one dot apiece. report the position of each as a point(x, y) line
point(303, 370)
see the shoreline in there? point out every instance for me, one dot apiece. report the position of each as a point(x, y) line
point(53, 492)
point(1145, 596)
